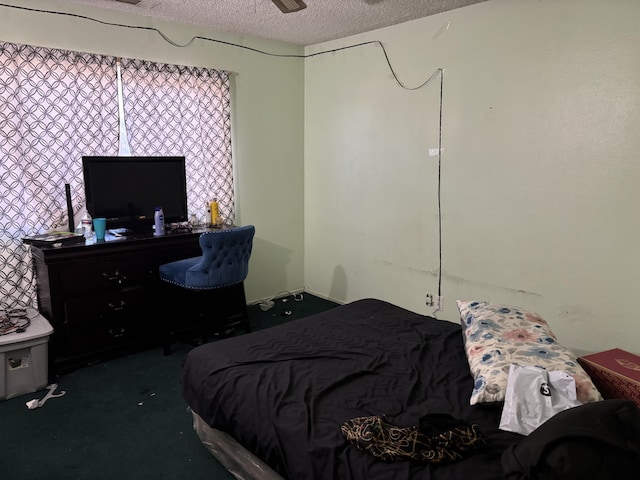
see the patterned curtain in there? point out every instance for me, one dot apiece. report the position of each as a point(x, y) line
point(179, 110)
point(55, 106)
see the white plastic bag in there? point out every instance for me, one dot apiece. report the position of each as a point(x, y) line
point(533, 396)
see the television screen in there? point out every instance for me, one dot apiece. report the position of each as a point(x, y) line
point(126, 190)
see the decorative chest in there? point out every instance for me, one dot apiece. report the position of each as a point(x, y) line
point(615, 372)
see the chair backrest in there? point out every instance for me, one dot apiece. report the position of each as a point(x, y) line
point(225, 255)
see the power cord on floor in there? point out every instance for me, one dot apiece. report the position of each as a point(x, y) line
point(268, 303)
point(14, 320)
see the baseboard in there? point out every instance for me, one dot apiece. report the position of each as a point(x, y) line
point(324, 297)
point(281, 294)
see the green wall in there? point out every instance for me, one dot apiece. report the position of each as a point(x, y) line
point(539, 177)
point(539, 173)
point(267, 114)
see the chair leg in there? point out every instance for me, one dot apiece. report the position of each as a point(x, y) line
point(226, 310)
point(245, 312)
point(165, 315)
point(204, 330)
point(233, 311)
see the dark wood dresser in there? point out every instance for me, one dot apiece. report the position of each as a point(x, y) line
point(103, 299)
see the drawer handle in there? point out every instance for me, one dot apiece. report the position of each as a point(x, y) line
point(116, 307)
point(117, 333)
point(115, 277)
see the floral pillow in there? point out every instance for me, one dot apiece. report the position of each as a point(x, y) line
point(495, 336)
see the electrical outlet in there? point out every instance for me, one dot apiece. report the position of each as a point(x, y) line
point(439, 302)
point(428, 301)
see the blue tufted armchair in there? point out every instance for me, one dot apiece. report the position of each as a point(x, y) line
point(210, 288)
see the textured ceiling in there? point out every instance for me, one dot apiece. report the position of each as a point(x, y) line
point(321, 21)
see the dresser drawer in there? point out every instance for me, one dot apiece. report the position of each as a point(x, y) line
point(93, 337)
point(113, 306)
point(100, 298)
point(107, 275)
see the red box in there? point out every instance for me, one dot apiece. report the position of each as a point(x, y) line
point(616, 373)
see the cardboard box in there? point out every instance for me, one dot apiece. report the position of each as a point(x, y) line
point(616, 373)
point(24, 363)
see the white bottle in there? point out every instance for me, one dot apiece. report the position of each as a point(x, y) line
point(87, 227)
point(158, 219)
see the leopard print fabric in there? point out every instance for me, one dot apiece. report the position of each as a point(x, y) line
point(376, 436)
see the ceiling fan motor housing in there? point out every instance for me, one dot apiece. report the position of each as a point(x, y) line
point(290, 6)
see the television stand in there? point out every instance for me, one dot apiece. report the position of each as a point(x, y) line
point(102, 298)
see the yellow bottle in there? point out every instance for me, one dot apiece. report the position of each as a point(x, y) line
point(213, 208)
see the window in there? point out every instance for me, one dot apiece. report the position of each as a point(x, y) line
point(56, 106)
point(178, 110)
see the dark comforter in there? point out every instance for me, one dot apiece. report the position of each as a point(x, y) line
point(284, 392)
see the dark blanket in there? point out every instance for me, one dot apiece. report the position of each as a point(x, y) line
point(596, 441)
point(284, 392)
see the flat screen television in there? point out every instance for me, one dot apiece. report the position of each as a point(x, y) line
point(126, 190)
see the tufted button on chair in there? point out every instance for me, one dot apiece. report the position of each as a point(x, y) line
point(209, 289)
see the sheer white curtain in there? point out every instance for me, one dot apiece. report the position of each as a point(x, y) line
point(55, 106)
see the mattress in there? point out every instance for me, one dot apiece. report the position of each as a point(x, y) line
point(283, 393)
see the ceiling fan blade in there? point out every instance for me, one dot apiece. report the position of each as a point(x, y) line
point(290, 6)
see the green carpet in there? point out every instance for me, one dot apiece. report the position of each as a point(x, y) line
point(120, 419)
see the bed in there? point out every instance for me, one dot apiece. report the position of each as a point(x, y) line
point(271, 404)
point(284, 393)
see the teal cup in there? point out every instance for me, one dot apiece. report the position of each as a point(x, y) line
point(99, 226)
